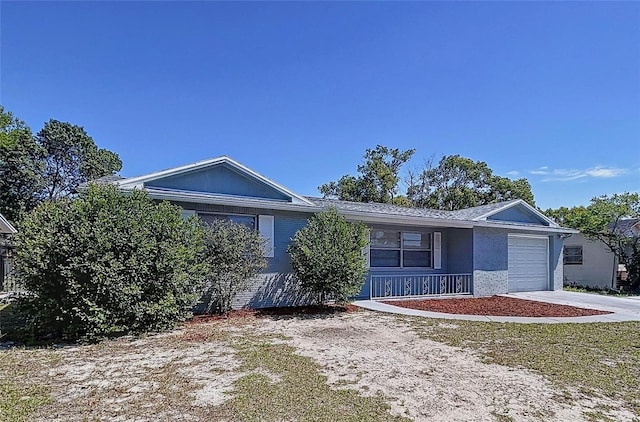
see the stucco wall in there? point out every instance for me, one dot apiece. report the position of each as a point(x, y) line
point(490, 261)
point(598, 264)
point(555, 261)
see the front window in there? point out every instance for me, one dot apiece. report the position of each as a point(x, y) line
point(573, 255)
point(400, 249)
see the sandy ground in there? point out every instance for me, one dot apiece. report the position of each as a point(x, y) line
point(425, 380)
point(165, 378)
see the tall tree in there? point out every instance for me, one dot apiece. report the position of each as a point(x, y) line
point(378, 177)
point(50, 165)
point(72, 158)
point(457, 182)
point(20, 167)
point(606, 219)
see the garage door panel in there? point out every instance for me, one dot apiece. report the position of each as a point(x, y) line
point(528, 263)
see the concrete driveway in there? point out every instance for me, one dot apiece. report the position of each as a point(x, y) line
point(629, 306)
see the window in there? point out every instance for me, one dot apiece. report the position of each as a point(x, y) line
point(245, 220)
point(399, 249)
point(573, 255)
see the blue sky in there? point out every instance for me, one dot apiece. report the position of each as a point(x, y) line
point(298, 91)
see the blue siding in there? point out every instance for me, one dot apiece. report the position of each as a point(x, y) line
point(285, 227)
point(460, 251)
point(220, 179)
point(518, 214)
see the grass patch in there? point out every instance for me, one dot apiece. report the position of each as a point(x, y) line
point(18, 403)
point(595, 358)
point(281, 385)
point(20, 397)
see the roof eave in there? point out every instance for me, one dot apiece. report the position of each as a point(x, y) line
point(365, 217)
point(525, 227)
point(230, 201)
point(9, 228)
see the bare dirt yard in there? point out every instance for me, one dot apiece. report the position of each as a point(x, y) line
point(331, 367)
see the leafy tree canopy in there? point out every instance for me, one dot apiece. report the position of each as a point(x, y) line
point(20, 167)
point(50, 165)
point(71, 158)
point(457, 182)
point(377, 180)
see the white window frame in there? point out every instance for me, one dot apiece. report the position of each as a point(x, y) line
point(581, 255)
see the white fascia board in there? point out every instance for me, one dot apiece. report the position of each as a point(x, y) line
point(6, 226)
point(181, 196)
point(513, 204)
point(525, 227)
point(138, 182)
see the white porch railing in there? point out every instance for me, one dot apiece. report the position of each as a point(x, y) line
point(419, 285)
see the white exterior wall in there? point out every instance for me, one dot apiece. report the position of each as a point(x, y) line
point(598, 264)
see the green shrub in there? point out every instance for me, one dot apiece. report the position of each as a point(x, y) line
point(326, 256)
point(106, 264)
point(233, 255)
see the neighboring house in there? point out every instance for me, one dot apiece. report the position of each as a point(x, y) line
point(5, 226)
point(492, 249)
point(5, 250)
point(591, 263)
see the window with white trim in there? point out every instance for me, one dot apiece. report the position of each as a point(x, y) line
point(394, 249)
point(572, 255)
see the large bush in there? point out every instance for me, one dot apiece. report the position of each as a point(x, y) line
point(105, 264)
point(326, 256)
point(233, 255)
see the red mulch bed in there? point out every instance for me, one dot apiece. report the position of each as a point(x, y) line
point(281, 311)
point(496, 306)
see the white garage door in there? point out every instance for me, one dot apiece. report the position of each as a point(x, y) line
point(528, 263)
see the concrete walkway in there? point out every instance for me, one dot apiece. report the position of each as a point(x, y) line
point(624, 309)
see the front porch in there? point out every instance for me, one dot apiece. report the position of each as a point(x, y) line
point(417, 262)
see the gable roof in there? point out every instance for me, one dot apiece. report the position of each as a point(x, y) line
point(139, 181)
point(483, 212)
point(367, 212)
point(5, 226)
